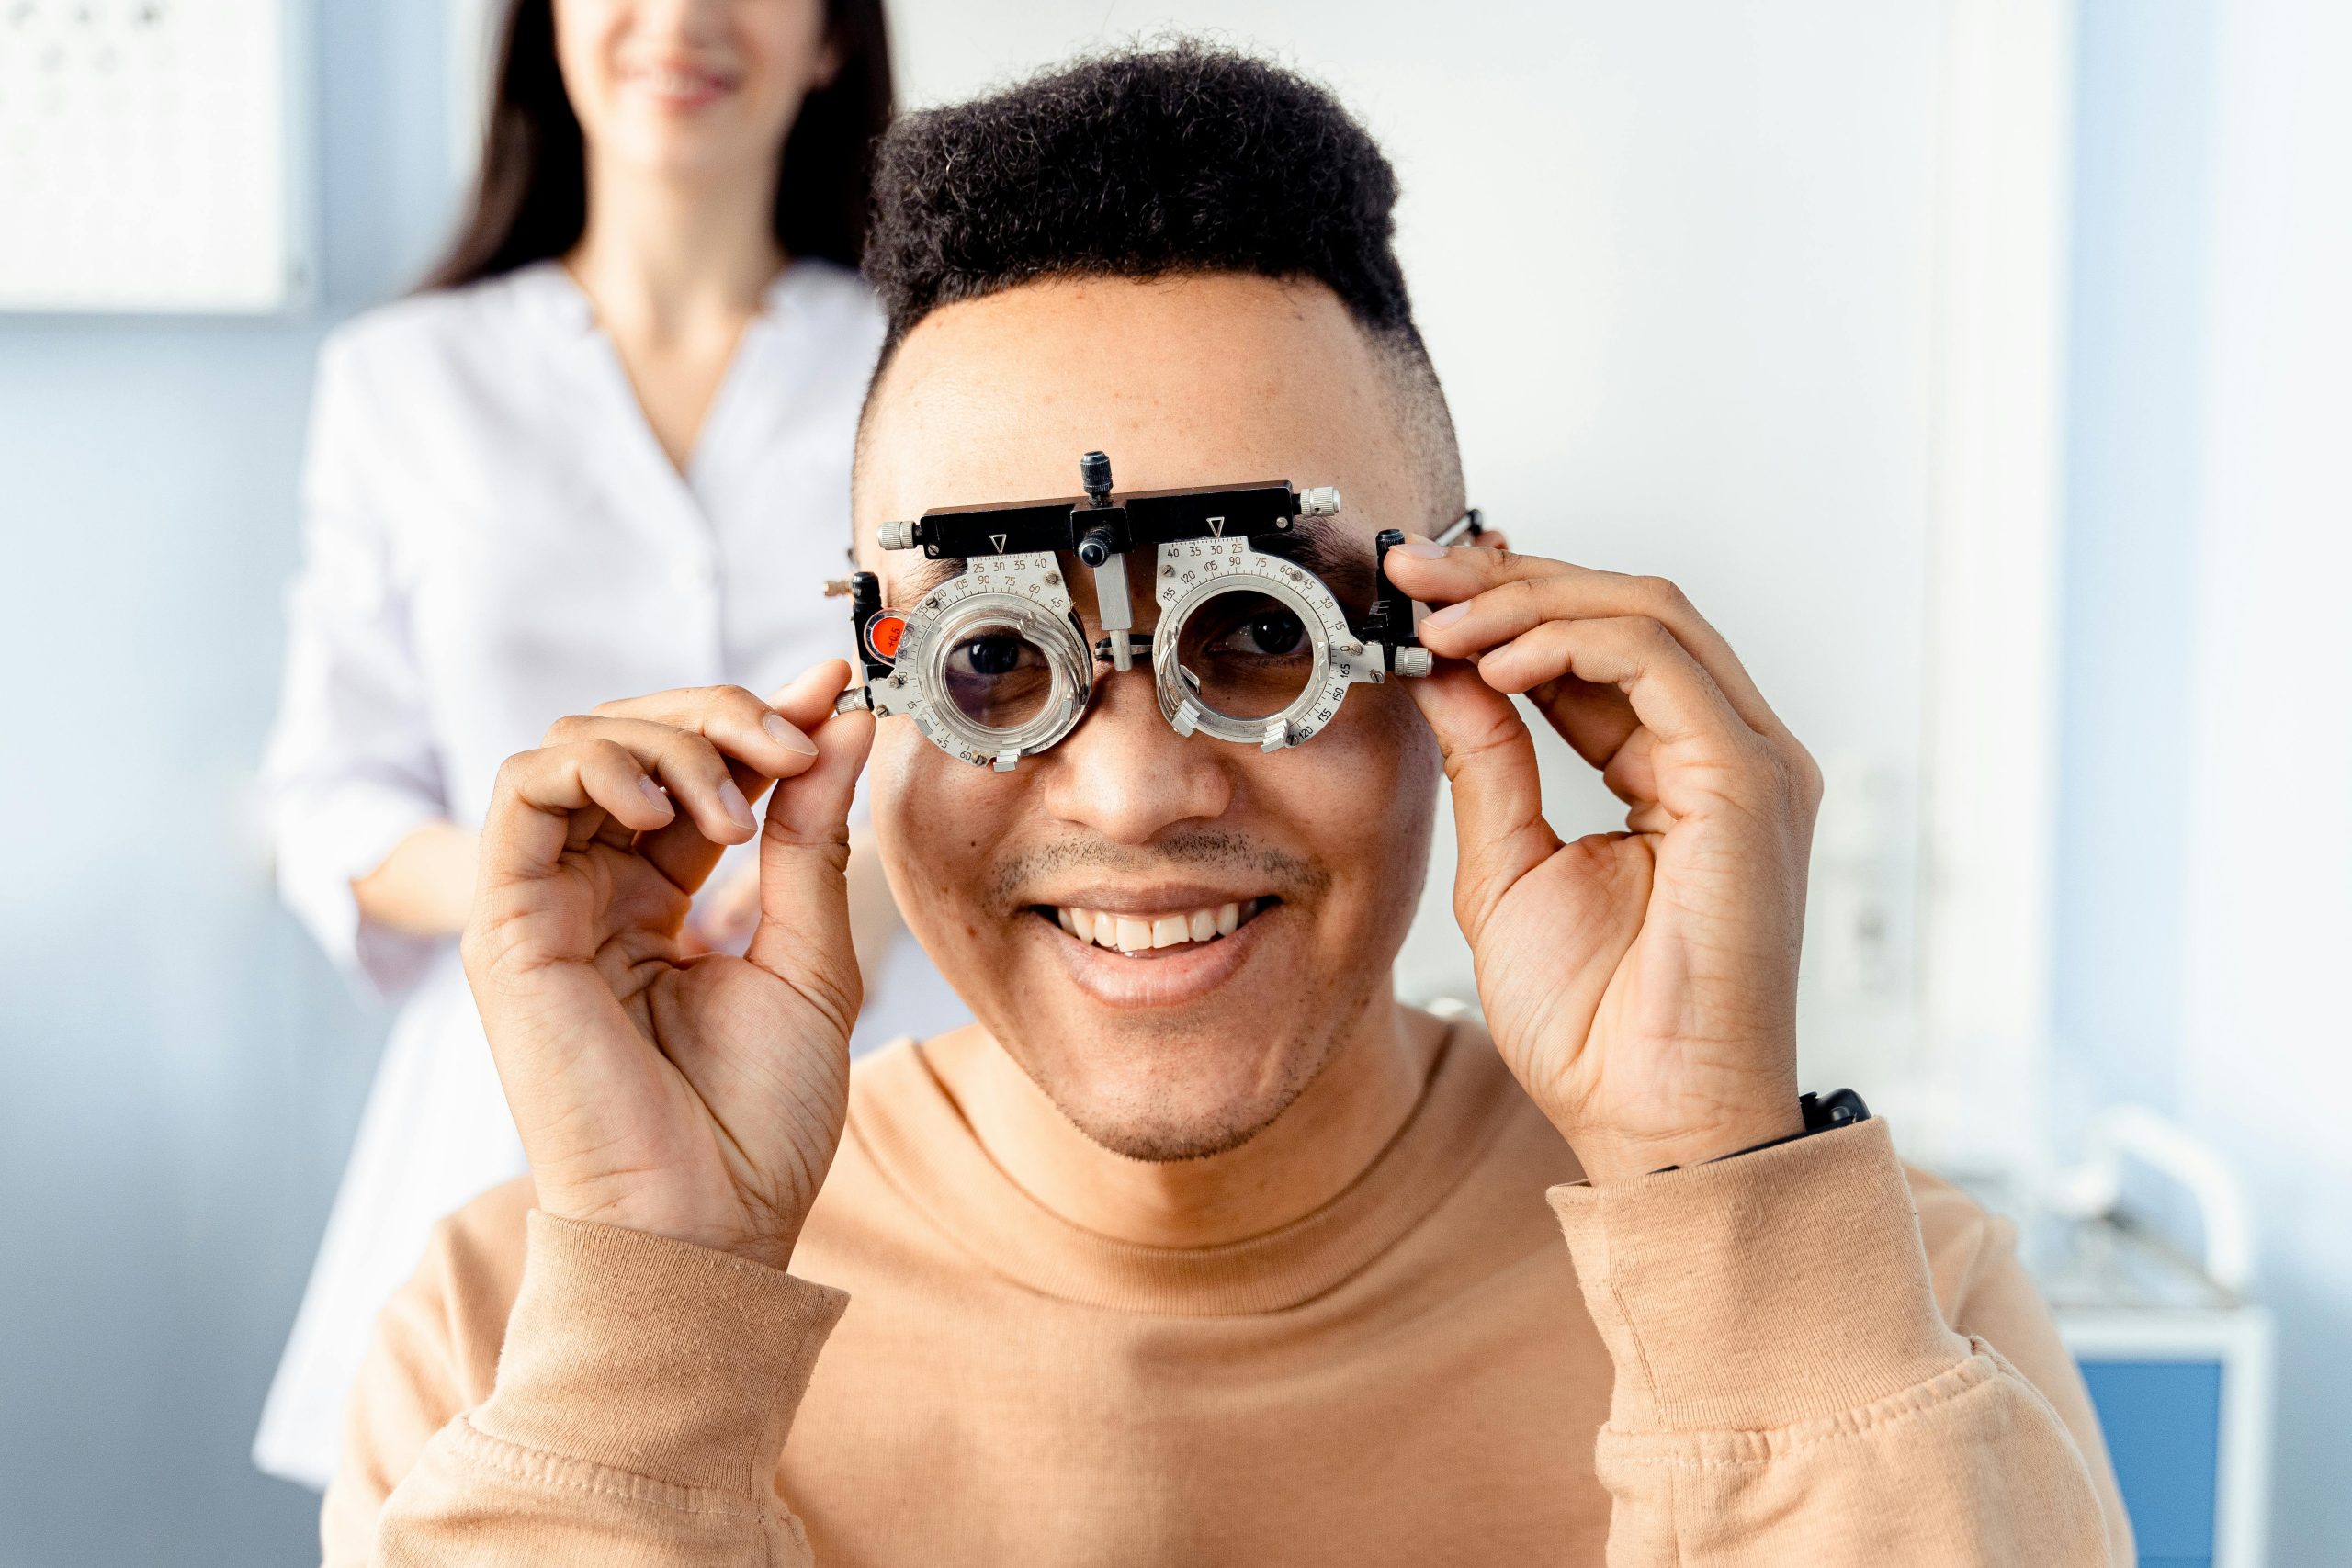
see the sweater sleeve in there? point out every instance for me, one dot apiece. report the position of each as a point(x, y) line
point(1788, 1390)
point(644, 1389)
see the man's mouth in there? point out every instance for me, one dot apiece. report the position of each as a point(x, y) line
point(1145, 932)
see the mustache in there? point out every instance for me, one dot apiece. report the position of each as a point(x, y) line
point(1205, 850)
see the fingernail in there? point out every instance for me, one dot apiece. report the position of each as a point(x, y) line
point(1439, 619)
point(653, 794)
point(1419, 549)
point(784, 733)
point(737, 806)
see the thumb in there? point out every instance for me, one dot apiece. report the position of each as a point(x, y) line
point(1498, 792)
point(802, 937)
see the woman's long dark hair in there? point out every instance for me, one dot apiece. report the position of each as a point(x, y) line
point(530, 200)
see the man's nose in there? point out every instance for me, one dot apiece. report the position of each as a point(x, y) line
point(1125, 774)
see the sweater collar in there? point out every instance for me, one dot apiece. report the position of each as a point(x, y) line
point(903, 1117)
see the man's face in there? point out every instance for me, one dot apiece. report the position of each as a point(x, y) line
point(1182, 1050)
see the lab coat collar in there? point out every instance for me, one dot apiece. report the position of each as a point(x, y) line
point(785, 288)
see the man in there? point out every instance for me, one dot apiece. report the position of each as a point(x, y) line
point(1202, 1251)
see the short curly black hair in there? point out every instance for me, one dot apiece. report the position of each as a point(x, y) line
point(1141, 164)
point(1183, 157)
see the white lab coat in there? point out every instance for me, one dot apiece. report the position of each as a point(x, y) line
point(493, 538)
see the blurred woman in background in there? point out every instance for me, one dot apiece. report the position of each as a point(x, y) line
point(642, 361)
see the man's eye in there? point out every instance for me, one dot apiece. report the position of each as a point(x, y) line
point(1272, 633)
point(995, 654)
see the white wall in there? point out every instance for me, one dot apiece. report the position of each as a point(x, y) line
point(1674, 262)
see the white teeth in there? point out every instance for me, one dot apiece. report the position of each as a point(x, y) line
point(677, 84)
point(1137, 933)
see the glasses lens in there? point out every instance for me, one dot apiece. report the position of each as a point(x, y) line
point(996, 677)
point(1245, 655)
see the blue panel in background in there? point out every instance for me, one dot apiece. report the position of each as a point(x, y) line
point(2163, 1421)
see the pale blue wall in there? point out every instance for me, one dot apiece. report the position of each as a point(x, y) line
point(2169, 349)
point(179, 1074)
point(2135, 319)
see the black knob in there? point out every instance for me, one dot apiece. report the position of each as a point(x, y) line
point(1095, 473)
point(1094, 546)
point(1390, 620)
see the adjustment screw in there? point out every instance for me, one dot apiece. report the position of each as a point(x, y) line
point(1095, 473)
point(1323, 500)
point(897, 535)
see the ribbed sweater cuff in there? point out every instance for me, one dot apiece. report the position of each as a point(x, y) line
point(655, 1357)
point(1760, 1291)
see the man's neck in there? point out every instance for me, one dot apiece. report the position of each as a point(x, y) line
point(1309, 1156)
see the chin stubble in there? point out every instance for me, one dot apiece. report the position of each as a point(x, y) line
point(1155, 1129)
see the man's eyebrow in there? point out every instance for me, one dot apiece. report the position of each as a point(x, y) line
point(1333, 551)
point(920, 577)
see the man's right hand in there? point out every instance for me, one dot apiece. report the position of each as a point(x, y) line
point(699, 1097)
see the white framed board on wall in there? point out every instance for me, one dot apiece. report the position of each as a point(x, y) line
point(151, 156)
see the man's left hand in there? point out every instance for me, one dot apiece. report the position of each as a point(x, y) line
point(1641, 985)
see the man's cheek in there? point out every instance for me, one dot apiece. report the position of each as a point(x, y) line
point(1374, 815)
point(891, 785)
point(1378, 763)
point(920, 823)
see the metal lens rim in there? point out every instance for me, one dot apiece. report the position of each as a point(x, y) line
point(1166, 637)
point(1067, 660)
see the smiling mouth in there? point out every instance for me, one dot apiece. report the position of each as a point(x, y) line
point(670, 83)
point(1145, 935)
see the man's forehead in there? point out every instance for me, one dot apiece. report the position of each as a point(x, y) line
point(1215, 381)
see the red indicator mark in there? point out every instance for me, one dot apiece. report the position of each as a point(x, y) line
point(884, 633)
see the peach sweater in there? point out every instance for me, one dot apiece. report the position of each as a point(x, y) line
point(1802, 1356)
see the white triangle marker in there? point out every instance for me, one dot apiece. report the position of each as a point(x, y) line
point(1000, 540)
point(1216, 526)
